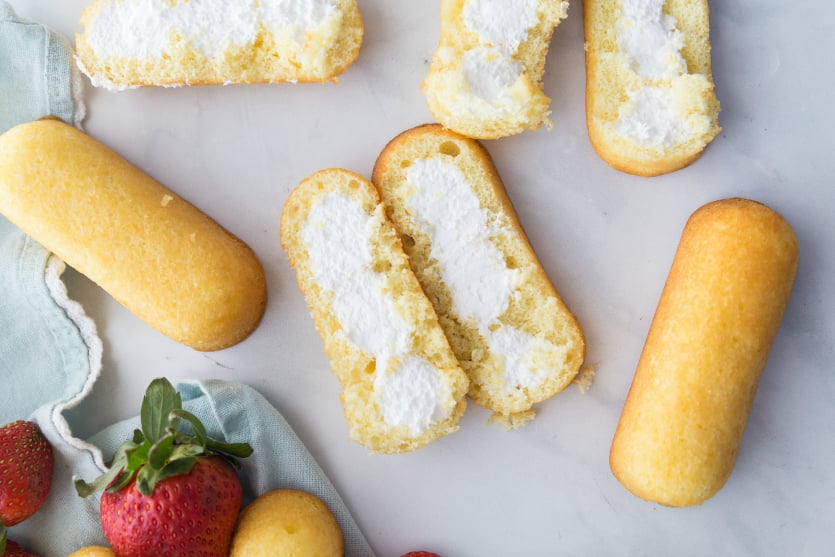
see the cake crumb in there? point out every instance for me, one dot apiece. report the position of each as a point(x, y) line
point(585, 378)
point(512, 421)
point(166, 199)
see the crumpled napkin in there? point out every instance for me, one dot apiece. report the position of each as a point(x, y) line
point(51, 355)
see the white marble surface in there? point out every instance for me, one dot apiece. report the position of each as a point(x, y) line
point(605, 238)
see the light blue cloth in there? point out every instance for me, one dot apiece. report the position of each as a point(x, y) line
point(35, 81)
point(51, 355)
point(35, 72)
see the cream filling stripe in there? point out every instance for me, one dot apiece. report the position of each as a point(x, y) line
point(144, 28)
point(472, 267)
point(409, 390)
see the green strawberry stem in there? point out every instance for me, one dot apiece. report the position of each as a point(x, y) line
point(160, 450)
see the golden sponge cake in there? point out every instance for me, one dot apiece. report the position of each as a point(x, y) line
point(683, 420)
point(154, 252)
point(287, 523)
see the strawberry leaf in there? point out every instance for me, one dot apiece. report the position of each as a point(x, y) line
point(148, 478)
point(121, 479)
point(137, 457)
point(239, 450)
point(177, 467)
point(116, 470)
point(186, 451)
point(196, 425)
point(138, 437)
point(160, 400)
point(161, 451)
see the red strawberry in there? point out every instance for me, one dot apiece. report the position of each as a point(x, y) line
point(26, 462)
point(420, 554)
point(206, 503)
point(8, 548)
point(169, 494)
point(14, 550)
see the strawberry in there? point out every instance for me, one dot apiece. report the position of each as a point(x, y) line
point(166, 492)
point(14, 550)
point(26, 461)
point(212, 494)
point(8, 548)
point(420, 554)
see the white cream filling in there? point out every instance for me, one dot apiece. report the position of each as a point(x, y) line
point(649, 119)
point(649, 39)
point(337, 237)
point(501, 23)
point(489, 69)
point(143, 28)
point(472, 267)
point(410, 397)
point(490, 74)
point(525, 356)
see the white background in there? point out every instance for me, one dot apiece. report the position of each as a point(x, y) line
point(605, 238)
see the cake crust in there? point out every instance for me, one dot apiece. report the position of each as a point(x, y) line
point(154, 252)
point(729, 284)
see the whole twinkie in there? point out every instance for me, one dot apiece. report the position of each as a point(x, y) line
point(154, 252)
point(678, 436)
point(287, 522)
point(93, 551)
